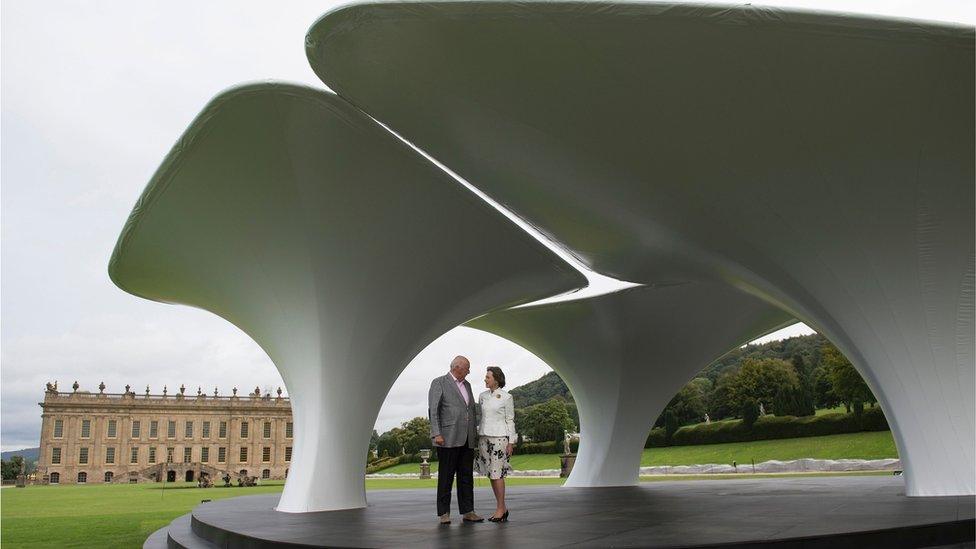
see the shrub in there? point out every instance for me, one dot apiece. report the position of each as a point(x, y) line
point(773, 427)
point(555, 447)
point(656, 438)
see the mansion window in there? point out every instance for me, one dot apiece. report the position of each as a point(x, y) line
point(188, 430)
point(82, 477)
point(136, 427)
point(55, 478)
point(266, 454)
point(171, 429)
point(110, 455)
point(83, 456)
point(55, 456)
point(221, 455)
point(266, 473)
point(108, 476)
point(288, 429)
point(153, 429)
point(206, 429)
point(152, 454)
point(244, 427)
point(243, 454)
point(113, 428)
point(86, 428)
point(222, 433)
point(267, 429)
point(205, 454)
point(169, 455)
point(287, 453)
point(58, 428)
point(187, 455)
point(134, 456)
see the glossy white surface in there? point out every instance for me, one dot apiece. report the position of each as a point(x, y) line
point(338, 249)
point(822, 162)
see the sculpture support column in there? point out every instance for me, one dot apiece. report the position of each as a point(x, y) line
point(625, 355)
point(342, 252)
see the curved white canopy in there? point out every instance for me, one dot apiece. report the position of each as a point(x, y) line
point(823, 162)
point(625, 355)
point(336, 247)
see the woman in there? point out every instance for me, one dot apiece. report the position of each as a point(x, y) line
point(497, 430)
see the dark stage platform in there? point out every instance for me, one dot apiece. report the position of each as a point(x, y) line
point(862, 511)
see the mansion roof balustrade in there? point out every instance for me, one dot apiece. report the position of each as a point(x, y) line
point(54, 397)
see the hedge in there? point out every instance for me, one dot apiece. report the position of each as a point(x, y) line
point(554, 447)
point(770, 428)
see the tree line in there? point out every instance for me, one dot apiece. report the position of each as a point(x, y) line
point(791, 377)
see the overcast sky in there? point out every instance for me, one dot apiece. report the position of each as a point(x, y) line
point(94, 94)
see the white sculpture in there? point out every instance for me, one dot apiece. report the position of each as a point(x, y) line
point(625, 355)
point(824, 163)
point(341, 251)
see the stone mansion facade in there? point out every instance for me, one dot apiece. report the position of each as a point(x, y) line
point(124, 437)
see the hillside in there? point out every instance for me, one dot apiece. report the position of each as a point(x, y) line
point(541, 390)
point(30, 454)
point(807, 346)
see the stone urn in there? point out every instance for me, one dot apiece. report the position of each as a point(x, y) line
point(424, 465)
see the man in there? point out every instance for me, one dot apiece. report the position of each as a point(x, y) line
point(453, 429)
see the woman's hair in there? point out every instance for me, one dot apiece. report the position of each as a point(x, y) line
point(497, 373)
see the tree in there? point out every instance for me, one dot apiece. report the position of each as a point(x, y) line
point(823, 391)
point(372, 441)
point(388, 444)
point(804, 395)
point(10, 469)
point(719, 403)
point(749, 410)
point(545, 421)
point(415, 434)
point(845, 381)
point(760, 380)
point(670, 425)
point(688, 406)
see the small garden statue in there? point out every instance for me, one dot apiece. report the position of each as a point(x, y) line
point(75, 385)
point(101, 388)
point(708, 420)
point(182, 388)
point(762, 409)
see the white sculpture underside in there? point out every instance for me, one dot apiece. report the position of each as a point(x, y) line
point(337, 248)
point(802, 165)
point(625, 355)
point(824, 163)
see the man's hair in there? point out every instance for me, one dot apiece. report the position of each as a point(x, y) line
point(498, 374)
point(457, 361)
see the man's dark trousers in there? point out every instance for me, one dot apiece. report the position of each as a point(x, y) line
point(450, 462)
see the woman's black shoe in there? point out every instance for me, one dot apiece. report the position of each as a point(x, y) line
point(503, 518)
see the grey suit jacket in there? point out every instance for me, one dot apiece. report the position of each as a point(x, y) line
point(449, 416)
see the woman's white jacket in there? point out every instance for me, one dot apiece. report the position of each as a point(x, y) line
point(497, 414)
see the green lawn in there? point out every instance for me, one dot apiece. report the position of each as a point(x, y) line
point(865, 445)
point(123, 515)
